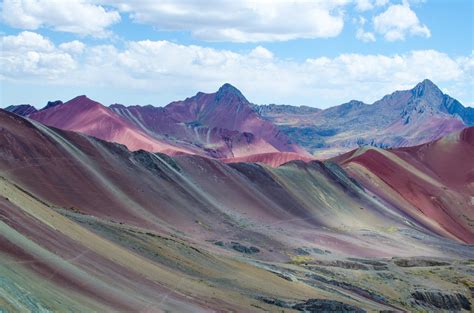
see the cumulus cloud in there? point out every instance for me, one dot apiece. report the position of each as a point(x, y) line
point(159, 67)
point(26, 41)
point(240, 21)
point(398, 21)
point(33, 56)
point(74, 47)
point(261, 52)
point(365, 36)
point(73, 16)
point(214, 20)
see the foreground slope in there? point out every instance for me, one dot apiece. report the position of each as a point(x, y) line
point(433, 183)
point(92, 226)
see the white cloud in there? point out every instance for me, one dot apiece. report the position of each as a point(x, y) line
point(26, 41)
point(33, 56)
point(157, 67)
point(74, 16)
point(215, 20)
point(398, 21)
point(74, 47)
point(365, 36)
point(240, 21)
point(261, 52)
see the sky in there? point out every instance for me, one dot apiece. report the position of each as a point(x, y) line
point(309, 52)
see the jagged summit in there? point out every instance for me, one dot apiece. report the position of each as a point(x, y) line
point(229, 90)
point(51, 104)
point(427, 87)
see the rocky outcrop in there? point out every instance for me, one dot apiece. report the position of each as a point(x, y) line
point(416, 262)
point(323, 305)
point(314, 305)
point(244, 249)
point(368, 294)
point(237, 246)
point(437, 299)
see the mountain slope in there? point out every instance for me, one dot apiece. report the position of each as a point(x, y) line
point(433, 182)
point(92, 226)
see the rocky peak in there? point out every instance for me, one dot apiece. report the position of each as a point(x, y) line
point(426, 98)
point(51, 104)
point(427, 89)
point(229, 91)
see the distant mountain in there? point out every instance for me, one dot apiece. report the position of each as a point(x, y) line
point(403, 118)
point(223, 123)
point(84, 115)
point(21, 109)
point(27, 109)
point(270, 109)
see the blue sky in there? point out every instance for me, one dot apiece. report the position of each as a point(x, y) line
point(318, 53)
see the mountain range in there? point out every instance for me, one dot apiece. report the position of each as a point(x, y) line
point(403, 118)
point(226, 125)
point(88, 225)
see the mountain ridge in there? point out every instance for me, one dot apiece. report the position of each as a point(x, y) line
point(402, 118)
point(225, 124)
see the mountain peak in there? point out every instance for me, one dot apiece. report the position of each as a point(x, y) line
point(82, 102)
point(229, 90)
point(426, 87)
point(81, 97)
point(51, 104)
